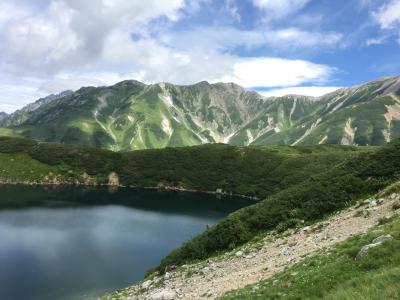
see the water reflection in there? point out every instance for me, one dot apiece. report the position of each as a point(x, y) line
point(67, 251)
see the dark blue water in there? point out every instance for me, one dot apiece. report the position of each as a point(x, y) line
point(78, 243)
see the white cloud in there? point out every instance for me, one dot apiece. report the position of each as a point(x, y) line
point(14, 96)
point(66, 44)
point(376, 41)
point(277, 9)
point(224, 38)
point(232, 9)
point(388, 15)
point(71, 33)
point(297, 38)
point(388, 18)
point(314, 91)
point(274, 72)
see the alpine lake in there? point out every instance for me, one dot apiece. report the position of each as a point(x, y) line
point(79, 243)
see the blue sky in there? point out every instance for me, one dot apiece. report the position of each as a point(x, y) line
point(273, 46)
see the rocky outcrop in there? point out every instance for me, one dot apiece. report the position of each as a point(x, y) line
point(87, 179)
point(113, 179)
point(376, 242)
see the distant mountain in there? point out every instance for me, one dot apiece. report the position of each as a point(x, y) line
point(132, 115)
point(2, 115)
point(20, 116)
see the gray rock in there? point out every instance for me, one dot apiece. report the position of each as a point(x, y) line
point(170, 268)
point(239, 254)
point(164, 295)
point(285, 251)
point(364, 250)
point(382, 238)
point(376, 242)
point(146, 284)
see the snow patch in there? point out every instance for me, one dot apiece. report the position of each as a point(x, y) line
point(167, 100)
point(349, 133)
point(393, 113)
point(166, 126)
point(292, 111)
point(308, 131)
point(323, 140)
point(250, 137)
point(228, 138)
point(102, 104)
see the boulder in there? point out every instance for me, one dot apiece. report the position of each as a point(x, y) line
point(376, 242)
point(239, 254)
point(164, 295)
point(146, 284)
point(382, 238)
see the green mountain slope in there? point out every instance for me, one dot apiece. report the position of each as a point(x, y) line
point(131, 115)
point(234, 170)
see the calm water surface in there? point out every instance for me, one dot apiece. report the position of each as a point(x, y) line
point(78, 243)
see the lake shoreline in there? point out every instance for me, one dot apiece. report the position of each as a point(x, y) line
point(95, 241)
point(115, 187)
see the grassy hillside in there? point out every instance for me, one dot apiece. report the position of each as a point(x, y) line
point(317, 196)
point(249, 171)
point(338, 275)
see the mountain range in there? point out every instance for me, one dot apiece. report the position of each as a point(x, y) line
point(131, 115)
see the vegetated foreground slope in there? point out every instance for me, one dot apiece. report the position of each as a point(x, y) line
point(305, 262)
point(249, 171)
point(335, 274)
point(131, 115)
point(311, 199)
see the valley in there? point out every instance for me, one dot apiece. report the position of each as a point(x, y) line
point(304, 171)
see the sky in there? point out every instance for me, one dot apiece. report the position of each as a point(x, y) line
point(276, 47)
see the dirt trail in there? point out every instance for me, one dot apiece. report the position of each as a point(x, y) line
point(256, 262)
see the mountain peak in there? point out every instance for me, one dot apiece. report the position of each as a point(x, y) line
point(132, 115)
point(130, 82)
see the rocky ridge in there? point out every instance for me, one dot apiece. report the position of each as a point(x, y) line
point(131, 115)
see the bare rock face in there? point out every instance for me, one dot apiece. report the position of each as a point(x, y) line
point(113, 179)
point(87, 179)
